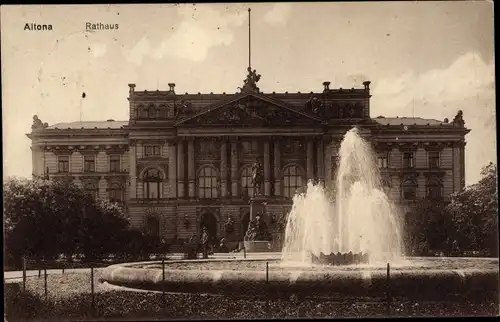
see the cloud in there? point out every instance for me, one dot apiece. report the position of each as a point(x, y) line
point(137, 53)
point(278, 15)
point(200, 29)
point(98, 49)
point(468, 84)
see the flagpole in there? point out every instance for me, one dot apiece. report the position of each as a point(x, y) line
point(249, 40)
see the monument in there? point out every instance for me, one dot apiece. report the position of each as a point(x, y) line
point(257, 237)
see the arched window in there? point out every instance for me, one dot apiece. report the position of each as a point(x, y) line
point(207, 183)
point(434, 189)
point(409, 189)
point(153, 226)
point(143, 112)
point(115, 193)
point(162, 112)
point(292, 180)
point(246, 182)
point(152, 184)
point(92, 189)
point(152, 112)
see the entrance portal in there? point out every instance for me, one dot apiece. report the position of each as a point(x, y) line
point(210, 221)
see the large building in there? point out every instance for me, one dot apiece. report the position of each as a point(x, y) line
point(183, 161)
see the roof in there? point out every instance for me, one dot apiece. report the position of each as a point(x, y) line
point(111, 124)
point(408, 121)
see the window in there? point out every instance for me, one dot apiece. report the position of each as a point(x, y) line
point(383, 160)
point(292, 180)
point(386, 182)
point(408, 160)
point(115, 193)
point(63, 163)
point(152, 184)
point(151, 150)
point(152, 112)
point(434, 160)
point(89, 163)
point(409, 190)
point(246, 182)
point(114, 163)
point(92, 189)
point(434, 189)
point(143, 112)
point(207, 183)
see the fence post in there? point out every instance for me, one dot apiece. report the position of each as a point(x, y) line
point(267, 272)
point(92, 288)
point(24, 273)
point(163, 284)
point(244, 251)
point(45, 281)
point(389, 299)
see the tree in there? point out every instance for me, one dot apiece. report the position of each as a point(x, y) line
point(26, 213)
point(474, 212)
point(45, 218)
point(427, 228)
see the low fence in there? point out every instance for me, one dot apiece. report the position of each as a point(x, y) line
point(92, 266)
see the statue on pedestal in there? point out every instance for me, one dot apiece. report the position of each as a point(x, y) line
point(250, 83)
point(257, 177)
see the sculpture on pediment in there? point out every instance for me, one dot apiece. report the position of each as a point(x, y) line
point(314, 105)
point(250, 83)
point(459, 119)
point(37, 123)
point(257, 177)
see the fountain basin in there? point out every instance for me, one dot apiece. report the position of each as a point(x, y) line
point(427, 279)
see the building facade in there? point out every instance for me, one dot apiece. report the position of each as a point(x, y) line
point(183, 161)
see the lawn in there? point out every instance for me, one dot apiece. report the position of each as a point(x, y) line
point(69, 298)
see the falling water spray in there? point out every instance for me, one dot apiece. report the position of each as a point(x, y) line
point(359, 218)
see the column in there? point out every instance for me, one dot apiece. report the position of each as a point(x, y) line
point(462, 164)
point(180, 169)
point(234, 169)
point(223, 168)
point(267, 169)
point(320, 159)
point(132, 171)
point(172, 169)
point(191, 169)
point(310, 156)
point(277, 168)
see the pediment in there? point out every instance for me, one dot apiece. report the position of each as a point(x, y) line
point(251, 110)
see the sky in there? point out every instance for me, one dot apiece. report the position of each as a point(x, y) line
point(425, 59)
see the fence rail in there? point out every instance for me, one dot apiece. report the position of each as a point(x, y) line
point(91, 266)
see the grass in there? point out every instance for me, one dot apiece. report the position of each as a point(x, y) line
point(69, 298)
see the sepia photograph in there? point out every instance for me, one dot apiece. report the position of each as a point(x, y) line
point(244, 161)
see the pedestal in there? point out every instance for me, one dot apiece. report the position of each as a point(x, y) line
point(257, 206)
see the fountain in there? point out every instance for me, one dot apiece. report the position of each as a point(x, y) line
point(360, 224)
point(338, 241)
